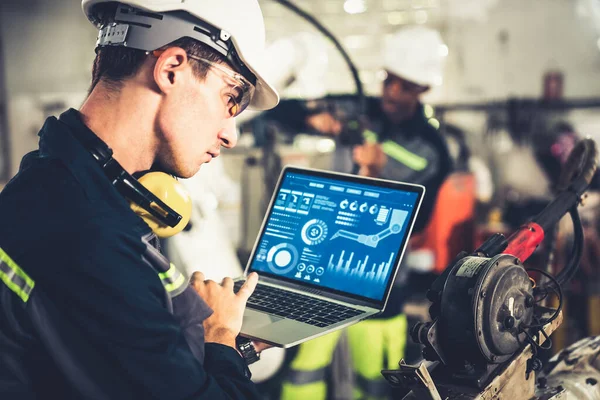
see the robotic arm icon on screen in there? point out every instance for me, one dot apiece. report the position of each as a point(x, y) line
point(395, 227)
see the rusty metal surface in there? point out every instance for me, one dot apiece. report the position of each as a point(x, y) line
point(415, 377)
point(576, 370)
point(511, 383)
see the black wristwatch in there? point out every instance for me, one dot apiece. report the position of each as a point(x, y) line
point(246, 348)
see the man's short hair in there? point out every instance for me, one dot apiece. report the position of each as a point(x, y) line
point(115, 64)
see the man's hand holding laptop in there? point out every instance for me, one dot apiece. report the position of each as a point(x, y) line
point(224, 325)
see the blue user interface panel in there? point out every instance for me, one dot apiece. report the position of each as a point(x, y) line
point(335, 234)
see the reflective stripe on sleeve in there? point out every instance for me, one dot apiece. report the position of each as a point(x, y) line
point(14, 277)
point(173, 281)
point(370, 137)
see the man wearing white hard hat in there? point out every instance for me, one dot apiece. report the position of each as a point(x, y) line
point(89, 306)
point(401, 142)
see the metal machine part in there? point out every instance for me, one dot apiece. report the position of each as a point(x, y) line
point(498, 294)
point(415, 377)
point(430, 381)
point(574, 372)
point(479, 318)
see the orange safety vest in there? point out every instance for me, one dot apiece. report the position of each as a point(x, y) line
point(451, 228)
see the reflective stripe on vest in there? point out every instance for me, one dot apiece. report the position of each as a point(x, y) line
point(402, 155)
point(376, 345)
point(299, 377)
point(14, 277)
point(173, 281)
point(397, 152)
point(306, 378)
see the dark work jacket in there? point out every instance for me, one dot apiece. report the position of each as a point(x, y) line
point(415, 135)
point(93, 319)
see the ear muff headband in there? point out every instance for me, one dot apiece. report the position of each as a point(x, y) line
point(163, 220)
point(134, 191)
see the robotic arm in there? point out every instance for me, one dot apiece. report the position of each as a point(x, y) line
point(396, 222)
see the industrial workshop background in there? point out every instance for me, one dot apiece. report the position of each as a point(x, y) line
point(519, 77)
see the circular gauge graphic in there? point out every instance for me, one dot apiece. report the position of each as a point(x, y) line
point(282, 258)
point(363, 207)
point(301, 267)
point(314, 232)
point(320, 271)
point(310, 269)
point(354, 206)
point(373, 209)
point(344, 204)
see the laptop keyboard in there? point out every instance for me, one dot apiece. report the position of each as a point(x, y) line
point(298, 307)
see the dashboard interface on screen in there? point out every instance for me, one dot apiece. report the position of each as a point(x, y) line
point(334, 234)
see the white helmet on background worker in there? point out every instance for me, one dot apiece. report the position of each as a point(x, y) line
point(234, 28)
point(417, 54)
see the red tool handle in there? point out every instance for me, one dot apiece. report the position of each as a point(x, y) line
point(523, 242)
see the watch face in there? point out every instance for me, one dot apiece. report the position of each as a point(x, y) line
point(246, 348)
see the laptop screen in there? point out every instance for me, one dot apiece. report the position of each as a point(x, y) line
point(336, 232)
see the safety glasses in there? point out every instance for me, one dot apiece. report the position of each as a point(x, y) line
point(241, 89)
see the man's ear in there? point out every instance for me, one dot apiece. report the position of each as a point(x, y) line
point(169, 67)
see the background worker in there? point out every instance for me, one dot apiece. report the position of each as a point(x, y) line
point(401, 142)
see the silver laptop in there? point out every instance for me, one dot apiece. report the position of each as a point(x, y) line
point(327, 253)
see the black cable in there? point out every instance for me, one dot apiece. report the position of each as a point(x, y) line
point(359, 88)
point(576, 251)
point(559, 293)
point(534, 363)
point(579, 169)
point(543, 298)
point(533, 343)
point(547, 345)
point(535, 346)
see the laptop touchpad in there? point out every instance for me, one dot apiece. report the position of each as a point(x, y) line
point(254, 320)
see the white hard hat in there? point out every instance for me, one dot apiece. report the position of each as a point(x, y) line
point(234, 28)
point(416, 54)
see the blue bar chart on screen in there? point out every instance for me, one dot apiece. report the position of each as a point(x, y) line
point(335, 234)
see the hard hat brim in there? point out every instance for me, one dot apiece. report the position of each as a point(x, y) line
point(265, 96)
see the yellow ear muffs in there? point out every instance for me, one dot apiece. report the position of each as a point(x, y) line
point(172, 192)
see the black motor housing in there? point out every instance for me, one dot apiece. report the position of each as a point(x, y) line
point(480, 313)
